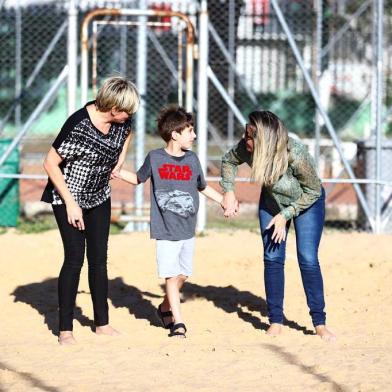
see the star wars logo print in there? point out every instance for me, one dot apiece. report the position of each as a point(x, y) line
point(175, 172)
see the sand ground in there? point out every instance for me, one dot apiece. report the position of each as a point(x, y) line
point(224, 306)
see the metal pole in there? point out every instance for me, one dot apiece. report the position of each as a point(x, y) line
point(218, 85)
point(180, 57)
point(230, 60)
point(323, 113)
point(141, 114)
point(340, 33)
point(35, 72)
point(231, 81)
point(379, 57)
point(43, 105)
point(317, 75)
point(84, 64)
point(94, 55)
point(123, 49)
point(189, 75)
point(18, 64)
point(166, 59)
point(72, 53)
point(210, 127)
point(110, 12)
point(202, 109)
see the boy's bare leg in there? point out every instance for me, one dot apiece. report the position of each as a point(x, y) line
point(181, 280)
point(106, 330)
point(66, 338)
point(165, 305)
point(173, 286)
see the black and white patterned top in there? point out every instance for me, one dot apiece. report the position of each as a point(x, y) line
point(89, 156)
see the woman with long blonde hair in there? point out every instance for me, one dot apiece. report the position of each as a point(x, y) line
point(291, 191)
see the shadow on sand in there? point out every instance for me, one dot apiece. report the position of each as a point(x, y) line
point(232, 300)
point(42, 296)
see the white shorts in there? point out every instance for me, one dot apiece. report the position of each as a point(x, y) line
point(175, 257)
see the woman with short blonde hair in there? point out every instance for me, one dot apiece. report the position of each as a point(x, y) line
point(91, 145)
point(117, 92)
point(291, 191)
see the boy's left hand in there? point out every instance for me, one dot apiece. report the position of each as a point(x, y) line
point(279, 223)
point(116, 171)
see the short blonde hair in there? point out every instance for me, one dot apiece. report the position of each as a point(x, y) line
point(118, 92)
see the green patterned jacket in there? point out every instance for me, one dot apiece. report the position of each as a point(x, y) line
point(296, 190)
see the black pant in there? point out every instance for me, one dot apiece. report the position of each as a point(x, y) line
point(95, 236)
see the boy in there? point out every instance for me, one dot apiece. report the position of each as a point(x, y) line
point(176, 179)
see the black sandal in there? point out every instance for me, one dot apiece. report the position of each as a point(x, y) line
point(174, 332)
point(161, 315)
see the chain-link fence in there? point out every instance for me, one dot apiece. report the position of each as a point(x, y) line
point(252, 57)
point(252, 65)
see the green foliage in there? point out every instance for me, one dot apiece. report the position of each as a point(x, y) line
point(296, 111)
point(38, 224)
point(45, 222)
point(388, 131)
point(341, 109)
point(116, 228)
point(248, 223)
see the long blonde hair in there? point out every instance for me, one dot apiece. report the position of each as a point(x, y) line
point(270, 147)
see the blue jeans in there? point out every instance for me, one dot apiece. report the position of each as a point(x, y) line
point(308, 229)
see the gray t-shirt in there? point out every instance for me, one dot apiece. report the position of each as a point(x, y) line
point(175, 182)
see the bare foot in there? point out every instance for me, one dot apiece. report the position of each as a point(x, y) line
point(325, 334)
point(66, 338)
point(275, 329)
point(106, 330)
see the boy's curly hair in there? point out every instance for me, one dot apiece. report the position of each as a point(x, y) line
point(173, 119)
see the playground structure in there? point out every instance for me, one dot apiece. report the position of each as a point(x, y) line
point(182, 53)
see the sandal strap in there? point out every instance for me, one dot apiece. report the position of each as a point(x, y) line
point(178, 326)
point(165, 314)
point(177, 334)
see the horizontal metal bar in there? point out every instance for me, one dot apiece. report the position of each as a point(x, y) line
point(216, 179)
point(356, 181)
point(24, 176)
point(131, 23)
point(134, 218)
point(323, 180)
